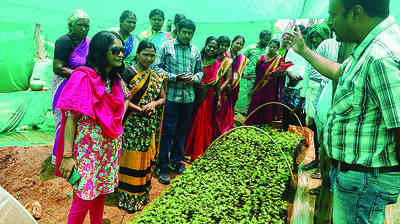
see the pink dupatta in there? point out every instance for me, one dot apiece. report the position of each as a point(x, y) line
point(85, 93)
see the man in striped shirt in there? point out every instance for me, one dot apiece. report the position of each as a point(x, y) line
point(181, 62)
point(362, 134)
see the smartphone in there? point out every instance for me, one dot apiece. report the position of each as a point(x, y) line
point(74, 177)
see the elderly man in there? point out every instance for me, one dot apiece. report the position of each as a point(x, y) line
point(362, 134)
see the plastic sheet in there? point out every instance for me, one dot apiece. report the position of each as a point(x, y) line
point(43, 70)
point(11, 211)
point(26, 138)
point(302, 208)
point(16, 55)
point(26, 110)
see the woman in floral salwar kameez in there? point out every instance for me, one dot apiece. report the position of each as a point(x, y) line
point(93, 104)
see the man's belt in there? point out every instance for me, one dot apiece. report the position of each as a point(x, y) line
point(355, 167)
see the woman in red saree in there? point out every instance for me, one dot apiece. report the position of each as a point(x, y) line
point(267, 87)
point(230, 86)
point(202, 125)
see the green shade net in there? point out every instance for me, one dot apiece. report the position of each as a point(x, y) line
point(19, 18)
point(26, 110)
point(16, 55)
point(223, 17)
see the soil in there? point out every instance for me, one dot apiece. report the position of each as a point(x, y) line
point(26, 172)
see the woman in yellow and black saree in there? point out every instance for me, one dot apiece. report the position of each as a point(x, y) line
point(142, 125)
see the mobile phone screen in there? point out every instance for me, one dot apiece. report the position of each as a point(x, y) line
point(75, 177)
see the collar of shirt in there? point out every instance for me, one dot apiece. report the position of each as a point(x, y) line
point(389, 21)
point(176, 42)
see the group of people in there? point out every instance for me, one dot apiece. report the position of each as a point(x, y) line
point(126, 105)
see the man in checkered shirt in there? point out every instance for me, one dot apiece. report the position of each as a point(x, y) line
point(362, 134)
point(181, 62)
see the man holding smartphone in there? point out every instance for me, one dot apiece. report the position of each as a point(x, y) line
point(181, 62)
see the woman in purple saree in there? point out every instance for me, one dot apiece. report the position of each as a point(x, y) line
point(70, 52)
point(268, 87)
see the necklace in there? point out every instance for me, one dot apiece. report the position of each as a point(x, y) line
point(122, 35)
point(267, 57)
point(75, 39)
point(209, 62)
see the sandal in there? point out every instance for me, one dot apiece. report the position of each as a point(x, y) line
point(316, 174)
point(187, 159)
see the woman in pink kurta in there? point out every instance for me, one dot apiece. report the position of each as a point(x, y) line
point(93, 104)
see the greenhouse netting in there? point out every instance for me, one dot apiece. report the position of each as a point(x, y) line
point(19, 43)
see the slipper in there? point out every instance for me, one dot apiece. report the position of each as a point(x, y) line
point(187, 159)
point(311, 165)
point(316, 174)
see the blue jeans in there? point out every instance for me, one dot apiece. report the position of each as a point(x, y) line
point(175, 121)
point(362, 197)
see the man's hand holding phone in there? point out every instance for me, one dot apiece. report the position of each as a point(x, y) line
point(186, 78)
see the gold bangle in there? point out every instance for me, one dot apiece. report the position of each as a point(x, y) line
point(68, 154)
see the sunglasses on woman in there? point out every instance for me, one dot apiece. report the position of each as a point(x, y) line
point(117, 50)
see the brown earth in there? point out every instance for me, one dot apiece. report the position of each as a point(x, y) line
point(20, 174)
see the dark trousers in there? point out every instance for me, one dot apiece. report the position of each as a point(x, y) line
point(175, 121)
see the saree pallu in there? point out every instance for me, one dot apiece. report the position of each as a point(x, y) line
point(228, 101)
point(140, 142)
point(131, 45)
point(157, 38)
point(266, 89)
point(202, 125)
point(76, 59)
